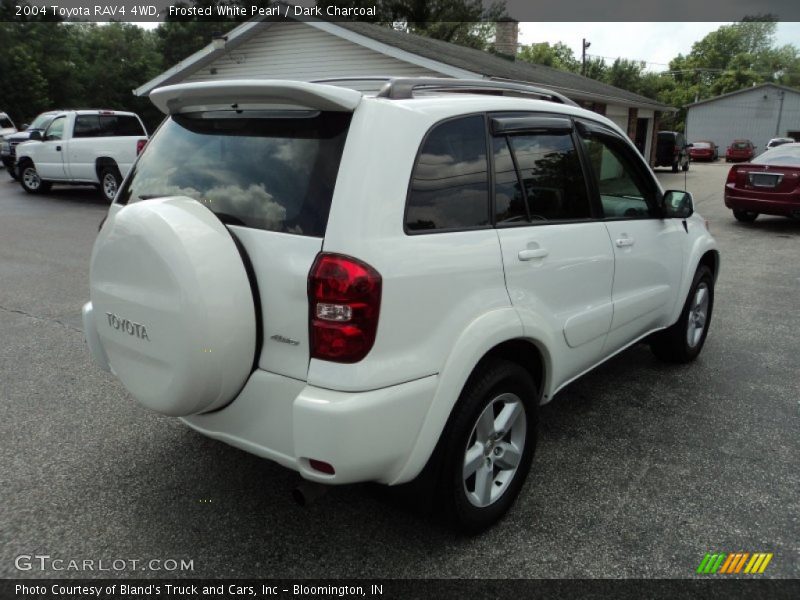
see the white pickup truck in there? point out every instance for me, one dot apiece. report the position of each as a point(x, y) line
point(79, 147)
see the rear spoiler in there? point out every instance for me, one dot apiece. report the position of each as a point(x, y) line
point(256, 93)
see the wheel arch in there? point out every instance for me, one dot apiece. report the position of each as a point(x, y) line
point(501, 336)
point(103, 162)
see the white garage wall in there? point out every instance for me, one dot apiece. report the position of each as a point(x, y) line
point(297, 51)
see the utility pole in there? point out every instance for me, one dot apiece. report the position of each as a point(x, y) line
point(583, 56)
point(781, 94)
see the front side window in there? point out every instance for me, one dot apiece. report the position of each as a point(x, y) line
point(450, 182)
point(56, 129)
point(273, 170)
point(624, 191)
point(538, 177)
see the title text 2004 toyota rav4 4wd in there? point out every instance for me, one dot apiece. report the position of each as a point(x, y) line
point(384, 288)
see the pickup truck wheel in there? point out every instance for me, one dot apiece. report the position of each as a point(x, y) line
point(489, 446)
point(110, 179)
point(682, 342)
point(30, 180)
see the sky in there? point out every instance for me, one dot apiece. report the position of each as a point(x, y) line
point(655, 43)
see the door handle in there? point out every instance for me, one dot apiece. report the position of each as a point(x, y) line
point(625, 242)
point(532, 253)
point(58, 148)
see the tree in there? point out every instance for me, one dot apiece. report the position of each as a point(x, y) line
point(463, 22)
point(558, 56)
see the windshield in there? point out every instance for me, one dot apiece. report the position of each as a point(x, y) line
point(268, 170)
point(784, 155)
point(42, 121)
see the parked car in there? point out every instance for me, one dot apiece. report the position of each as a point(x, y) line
point(8, 148)
point(740, 150)
point(779, 141)
point(672, 151)
point(769, 184)
point(6, 127)
point(704, 150)
point(247, 281)
point(79, 147)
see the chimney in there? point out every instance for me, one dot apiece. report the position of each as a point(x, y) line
point(506, 32)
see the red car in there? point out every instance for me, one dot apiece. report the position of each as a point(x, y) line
point(740, 150)
point(770, 184)
point(703, 150)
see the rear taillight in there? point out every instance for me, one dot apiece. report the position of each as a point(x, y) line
point(140, 144)
point(344, 299)
point(732, 175)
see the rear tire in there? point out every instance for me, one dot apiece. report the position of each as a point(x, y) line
point(30, 180)
point(488, 445)
point(683, 341)
point(686, 166)
point(110, 180)
point(675, 166)
point(745, 216)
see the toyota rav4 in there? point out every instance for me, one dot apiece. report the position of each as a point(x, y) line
point(386, 287)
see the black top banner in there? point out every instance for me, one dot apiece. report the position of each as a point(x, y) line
point(520, 10)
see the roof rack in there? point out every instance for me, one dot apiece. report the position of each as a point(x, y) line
point(399, 88)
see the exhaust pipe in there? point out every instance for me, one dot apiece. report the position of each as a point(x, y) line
point(307, 492)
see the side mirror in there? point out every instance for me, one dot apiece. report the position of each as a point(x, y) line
point(690, 145)
point(25, 126)
point(677, 205)
point(36, 136)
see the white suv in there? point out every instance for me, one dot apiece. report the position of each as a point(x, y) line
point(385, 288)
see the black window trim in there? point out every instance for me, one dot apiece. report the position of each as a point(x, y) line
point(640, 174)
point(489, 179)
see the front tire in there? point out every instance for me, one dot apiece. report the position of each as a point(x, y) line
point(110, 180)
point(745, 216)
point(30, 180)
point(683, 341)
point(686, 166)
point(488, 446)
point(675, 166)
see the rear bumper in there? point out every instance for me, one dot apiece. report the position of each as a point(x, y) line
point(365, 436)
point(784, 205)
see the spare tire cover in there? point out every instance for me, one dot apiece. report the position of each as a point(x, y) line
point(173, 305)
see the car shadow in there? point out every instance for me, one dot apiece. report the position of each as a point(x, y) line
point(76, 195)
point(772, 224)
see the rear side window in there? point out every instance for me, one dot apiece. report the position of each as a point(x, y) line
point(262, 169)
point(450, 182)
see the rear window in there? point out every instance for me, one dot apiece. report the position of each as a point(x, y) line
point(262, 169)
point(741, 145)
point(788, 156)
point(107, 126)
point(701, 145)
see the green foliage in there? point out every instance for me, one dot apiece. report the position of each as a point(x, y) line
point(463, 22)
point(558, 56)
